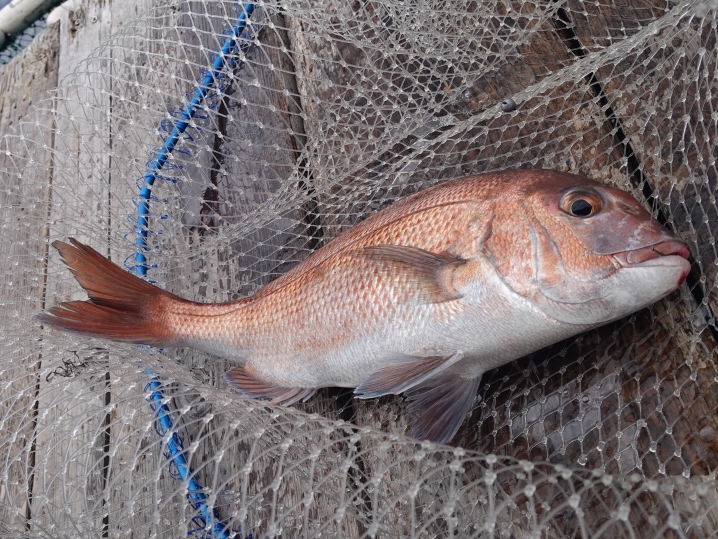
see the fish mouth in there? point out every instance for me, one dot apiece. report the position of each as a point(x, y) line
point(665, 253)
point(658, 250)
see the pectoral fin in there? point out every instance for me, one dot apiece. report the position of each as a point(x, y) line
point(247, 385)
point(402, 373)
point(441, 404)
point(431, 273)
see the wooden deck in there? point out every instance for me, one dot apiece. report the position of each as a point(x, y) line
point(306, 62)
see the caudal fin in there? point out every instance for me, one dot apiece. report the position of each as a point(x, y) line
point(122, 307)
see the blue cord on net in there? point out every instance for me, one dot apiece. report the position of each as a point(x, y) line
point(207, 520)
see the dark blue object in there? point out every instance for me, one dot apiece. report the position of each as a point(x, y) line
point(207, 520)
point(508, 105)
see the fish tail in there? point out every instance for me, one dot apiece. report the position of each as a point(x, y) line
point(122, 307)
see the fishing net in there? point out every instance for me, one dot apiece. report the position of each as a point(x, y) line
point(318, 114)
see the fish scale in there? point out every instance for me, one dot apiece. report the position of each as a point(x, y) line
point(421, 298)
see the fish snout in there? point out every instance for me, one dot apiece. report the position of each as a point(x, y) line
point(665, 248)
point(671, 252)
point(672, 247)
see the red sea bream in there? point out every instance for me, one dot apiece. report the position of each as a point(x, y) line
point(421, 299)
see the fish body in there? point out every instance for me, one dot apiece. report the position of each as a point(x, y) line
point(421, 299)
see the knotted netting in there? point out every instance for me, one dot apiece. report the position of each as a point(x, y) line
point(316, 115)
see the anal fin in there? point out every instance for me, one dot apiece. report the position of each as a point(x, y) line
point(247, 385)
point(441, 404)
point(402, 373)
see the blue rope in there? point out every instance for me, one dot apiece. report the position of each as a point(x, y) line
point(207, 518)
point(189, 112)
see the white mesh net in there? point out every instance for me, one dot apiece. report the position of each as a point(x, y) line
point(332, 111)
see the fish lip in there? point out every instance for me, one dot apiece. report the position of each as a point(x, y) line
point(653, 255)
point(666, 253)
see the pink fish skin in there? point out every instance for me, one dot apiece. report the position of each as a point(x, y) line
point(421, 299)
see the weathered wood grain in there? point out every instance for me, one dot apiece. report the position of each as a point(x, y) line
point(673, 153)
point(560, 127)
point(357, 100)
point(600, 24)
point(72, 415)
point(148, 78)
point(605, 401)
point(671, 145)
point(257, 143)
point(25, 175)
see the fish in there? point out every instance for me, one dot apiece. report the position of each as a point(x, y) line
point(419, 299)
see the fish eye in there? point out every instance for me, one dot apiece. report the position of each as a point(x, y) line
point(581, 208)
point(580, 203)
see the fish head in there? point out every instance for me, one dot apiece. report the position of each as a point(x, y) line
point(583, 252)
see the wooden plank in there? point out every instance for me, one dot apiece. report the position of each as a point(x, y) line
point(218, 265)
point(25, 167)
point(667, 127)
point(152, 73)
point(257, 140)
point(72, 415)
point(601, 23)
point(155, 75)
point(224, 270)
point(559, 128)
point(349, 94)
point(148, 78)
point(673, 148)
